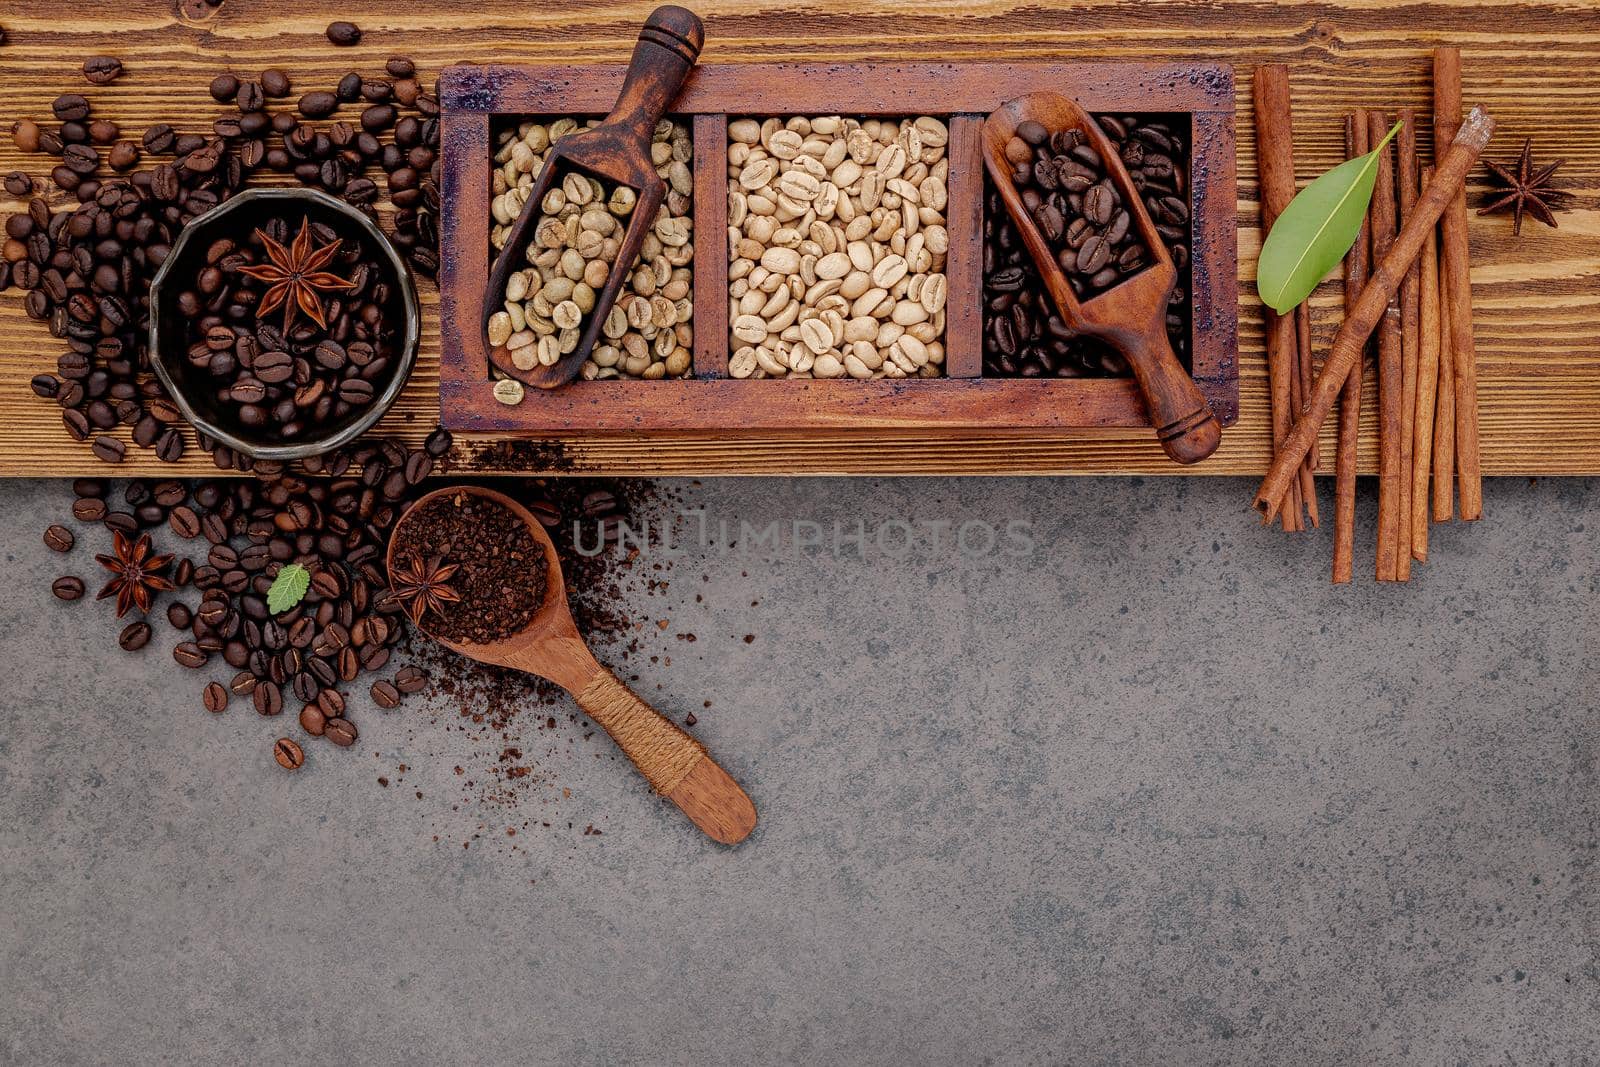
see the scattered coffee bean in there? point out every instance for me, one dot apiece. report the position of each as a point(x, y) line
point(67, 587)
point(385, 695)
point(189, 654)
point(179, 615)
point(267, 697)
point(109, 449)
point(341, 732)
point(288, 753)
point(102, 70)
point(224, 87)
point(59, 538)
point(344, 34)
point(275, 83)
point(215, 697)
point(134, 636)
point(411, 679)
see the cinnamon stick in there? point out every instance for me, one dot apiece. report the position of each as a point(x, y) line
point(1410, 336)
point(1306, 372)
point(1299, 386)
point(1275, 168)
point(1344, 481)
point(1458, 286)
point(1427, 384)
point(1389, 365)
point(1444, 416)
point(1452, 170)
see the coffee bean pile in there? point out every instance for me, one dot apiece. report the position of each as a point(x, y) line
point(241, 532)
point(87, 271)
point(248, 529)
point(1080, 213)
point(296, 377)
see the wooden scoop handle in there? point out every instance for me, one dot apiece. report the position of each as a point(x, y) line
point(1185, 425)
point(668, 46)
point(675, 764)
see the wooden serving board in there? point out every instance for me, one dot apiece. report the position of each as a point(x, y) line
point(1200, 96)
point(1529, 61)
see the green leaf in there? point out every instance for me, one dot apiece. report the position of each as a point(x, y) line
point(288, 588)
point(1316, 230)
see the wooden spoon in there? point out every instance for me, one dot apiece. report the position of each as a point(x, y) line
point(675, 764)
point(1131, 316)
point(617, 152)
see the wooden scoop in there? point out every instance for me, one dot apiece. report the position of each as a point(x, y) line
point(675, 764)
point(1131, 316)
point(617, 152)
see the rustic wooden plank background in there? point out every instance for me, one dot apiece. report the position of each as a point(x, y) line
point(1531, 63)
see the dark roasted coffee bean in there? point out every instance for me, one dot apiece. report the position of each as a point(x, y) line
point(89, 509)
point(215, 697)
point(67, 587)
point(344, 34)
point(1094, 254)
point(252, 97)
point(385, 695)
point(224, 87)
point(349, 89)
point(134, 636)
point(438, 443)
point(411, 679)
point(275, 83)
point(268, 698)
point(59, 538)
point(340, 731)
point(189, 654)
point(318, 105)
point(102, 70)
point(290, 755)
point(179, 615)
point(70, 107)
point(184, 522)
point(109, 449)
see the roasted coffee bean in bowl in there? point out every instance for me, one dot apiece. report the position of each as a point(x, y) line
point(284, 324)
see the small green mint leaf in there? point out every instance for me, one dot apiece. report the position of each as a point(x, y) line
point(288, 588)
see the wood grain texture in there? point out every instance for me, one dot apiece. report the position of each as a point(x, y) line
point(1537, 298)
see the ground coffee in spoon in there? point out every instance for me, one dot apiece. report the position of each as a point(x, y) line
point(468, 568)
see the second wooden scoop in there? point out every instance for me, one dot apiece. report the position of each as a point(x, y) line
point(676, 765)
point(616, 151)
point(1132, 315)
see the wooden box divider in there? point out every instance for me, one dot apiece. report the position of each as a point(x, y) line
point(960, 93)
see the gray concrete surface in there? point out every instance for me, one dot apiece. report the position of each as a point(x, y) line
point(1151, 793)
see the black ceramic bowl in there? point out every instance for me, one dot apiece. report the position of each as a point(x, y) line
point(191, 389)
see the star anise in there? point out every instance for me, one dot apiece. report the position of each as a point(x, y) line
point(137, 574)
point(296, 277)
point(1524, 189)
point(419, 586)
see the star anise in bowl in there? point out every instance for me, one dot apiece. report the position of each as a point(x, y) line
point(296, 276)
point(136, 574)
point(421, 586)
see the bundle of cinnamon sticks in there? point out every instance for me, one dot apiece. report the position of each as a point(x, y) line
point(1406, 278)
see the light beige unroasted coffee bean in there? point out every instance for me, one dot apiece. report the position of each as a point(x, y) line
point(837, 240)
point(629, 346)
point(509, 391)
